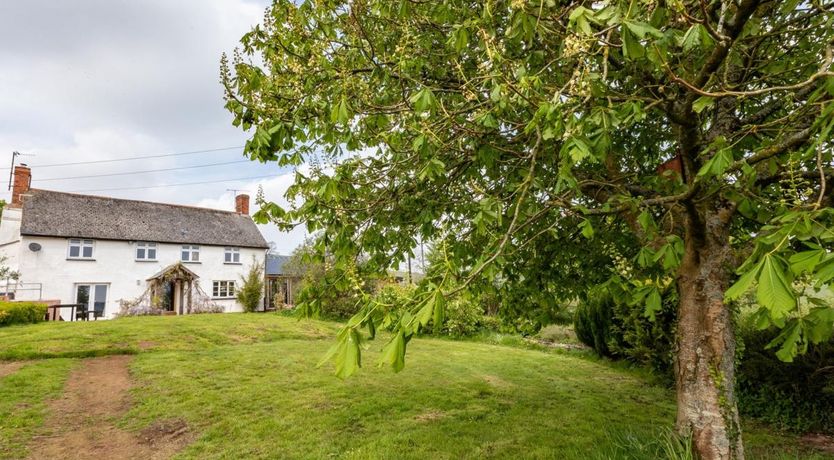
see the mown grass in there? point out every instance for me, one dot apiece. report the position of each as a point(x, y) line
point(132, 335)
point(248, 386)
point(23, 397)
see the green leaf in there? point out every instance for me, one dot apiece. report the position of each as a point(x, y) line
point(743, 284)
point(702, 103)
point(822, 320)
point(394, 353)
point(789, 338)
point(579, 19)
point(645, 257)
point(653, 304)
point(774, 293)
point(716, 165)
point(825, 272)
point(439, 310)
point(587, 229)
point(340, 113)
point(425, 314)
point(579, 150)
point(423, 100)
point(805, 260)
point(348, 356)
point(641, 29)
point(631, 46)
point(647, 222)
point(692, 38)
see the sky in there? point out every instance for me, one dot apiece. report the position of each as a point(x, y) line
point(91, 80)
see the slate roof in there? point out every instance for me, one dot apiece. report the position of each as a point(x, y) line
point(69, 215)
point(275, 264)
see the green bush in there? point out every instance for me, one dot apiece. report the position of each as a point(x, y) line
point(251, 288)
point(642, 340)
point(21, 313)
point(617, 329)
point(592, 321)
point(463, 317)
point(796, 396)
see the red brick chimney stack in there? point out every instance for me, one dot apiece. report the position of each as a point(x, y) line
point(242, 204)
point(20, 185)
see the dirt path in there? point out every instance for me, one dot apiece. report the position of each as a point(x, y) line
point(81, 424)
point(9, 368)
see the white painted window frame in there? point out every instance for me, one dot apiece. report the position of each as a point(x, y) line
point(231, 255)
point(223, 289)
point(146, 247)
point(191, 250)
point(81, 244)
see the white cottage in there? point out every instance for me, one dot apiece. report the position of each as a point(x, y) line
point(99, 251)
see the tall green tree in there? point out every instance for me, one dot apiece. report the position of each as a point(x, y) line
point(662, 144)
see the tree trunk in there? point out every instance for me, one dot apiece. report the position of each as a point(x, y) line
point(705, 374)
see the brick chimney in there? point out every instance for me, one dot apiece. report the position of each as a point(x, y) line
point(20, 185)
point(242, 204)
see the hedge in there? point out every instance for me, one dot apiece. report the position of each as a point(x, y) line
point(21, 313)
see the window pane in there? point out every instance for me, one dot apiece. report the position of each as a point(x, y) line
point(185, 256)
point(75, 241)
point(87, 251)
point(231, 288)
point(74, 251)
point(195, 256)
point(236, 257)
point(82, 295)
point(228, 257)
point(140, 253)
point(88, 242)
point(100, 297)
point(215, 289)
point(152, 254)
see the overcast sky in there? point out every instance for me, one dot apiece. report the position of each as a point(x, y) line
point(89, 80)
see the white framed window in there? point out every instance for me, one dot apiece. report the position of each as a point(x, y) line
point(145, 250)
point(80, 249)
point(190, 253)
point(223, 289)
point(231, 255)
point(93, 297)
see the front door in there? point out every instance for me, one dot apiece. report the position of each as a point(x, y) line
point(93, 296)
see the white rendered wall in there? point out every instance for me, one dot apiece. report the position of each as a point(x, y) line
point(114, 263)
point(10, 236)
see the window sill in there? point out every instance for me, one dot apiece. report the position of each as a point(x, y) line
point(187, 262)
point(146, 260)
point(232, 263)
point(82, 259)
point(223, 298)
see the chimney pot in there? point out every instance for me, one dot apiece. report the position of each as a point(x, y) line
point(242, 204)
point(20, 185)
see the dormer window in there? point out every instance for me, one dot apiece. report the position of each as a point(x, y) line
point(231, 255)
point(80, 249)
point(145, 251)
point(190, 253)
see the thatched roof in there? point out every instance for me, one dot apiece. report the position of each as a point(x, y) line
point(68, 215)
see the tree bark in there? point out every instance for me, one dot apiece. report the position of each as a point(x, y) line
point(705, 374)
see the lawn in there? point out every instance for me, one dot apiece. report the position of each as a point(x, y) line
point(248, 387)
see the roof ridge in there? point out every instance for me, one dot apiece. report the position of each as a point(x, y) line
point(134, 201)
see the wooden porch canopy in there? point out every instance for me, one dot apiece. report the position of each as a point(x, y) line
point(183, 281)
